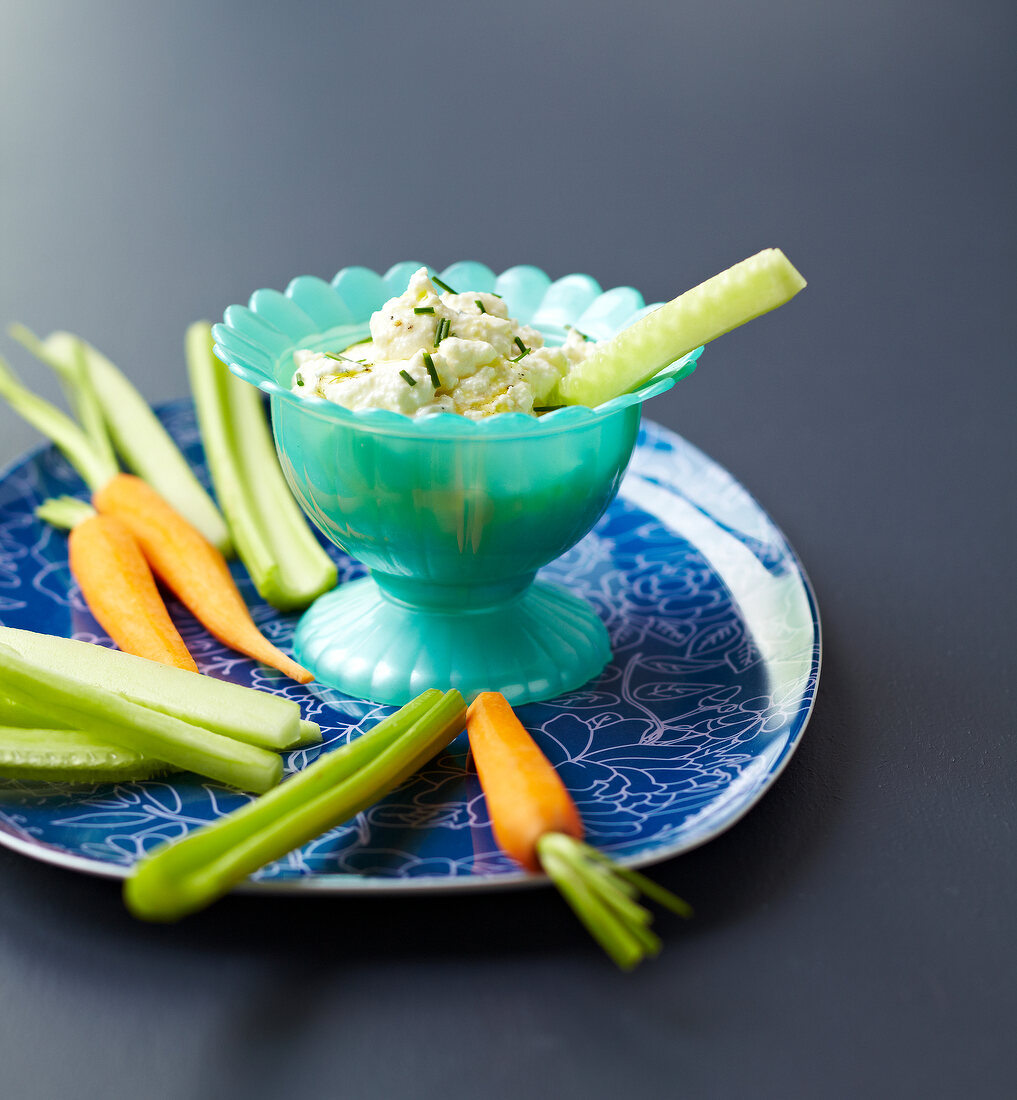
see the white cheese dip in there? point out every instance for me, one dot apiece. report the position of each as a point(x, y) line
point(434, 351)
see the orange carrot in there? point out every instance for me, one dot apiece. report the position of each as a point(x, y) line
point(188, 564)
point(121, 593)
point(525, 796)
point(536, 822)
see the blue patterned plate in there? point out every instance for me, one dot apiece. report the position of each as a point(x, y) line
point(716, 645)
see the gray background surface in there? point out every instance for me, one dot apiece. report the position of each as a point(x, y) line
point(855, 933)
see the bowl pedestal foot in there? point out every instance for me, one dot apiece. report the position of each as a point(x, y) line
point(388, 639)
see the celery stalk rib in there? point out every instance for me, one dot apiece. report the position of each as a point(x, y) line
point(77, 385)
point(288, 565)
point(305, 571)
point(180, 878)
point(77, 704)
point(141, 440)
point(95, 469)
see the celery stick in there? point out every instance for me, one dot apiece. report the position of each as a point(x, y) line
point(95, 469)
point(70, 756)
point(242, 713)
point(65, 512)
point(77, 384)
point(141, 440)
point(80, 705)
point(632, 357)
point(183, 877)
point(288, 565)
point(310, 734)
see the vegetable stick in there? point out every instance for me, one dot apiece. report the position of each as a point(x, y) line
point(70, 756)
point(94, 467)
point(288, 565)
point(117, 583)
point(144, 444)
point(34, 746)
point(535, 821)
point(633, 356)
point(242, 713)
point(76, 380)
point(80, 705)
point(180, 878)
point(309, 734)
point(192, 568)
point(525, 796)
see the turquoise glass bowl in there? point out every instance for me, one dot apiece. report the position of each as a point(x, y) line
point(453, 517)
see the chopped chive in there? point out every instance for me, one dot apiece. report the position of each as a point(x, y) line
point(479, 304)
point(444, 286)
point(300, 381)
point(443, 330)
point(493, 295)
point(409, 377)
point(429, 363)
point(546, 408)
point(520, 345)
point(423, 309)
point(340, 358)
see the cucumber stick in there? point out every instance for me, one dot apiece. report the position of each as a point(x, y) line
point(32, 746)
point(288, 565)
point(141, 440)
point(242, 713)
point(179, 878)
point(187, 747)
point(308, 733)
point(632, 357)
point(71, 756)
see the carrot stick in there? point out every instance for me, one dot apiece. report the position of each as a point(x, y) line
point(525, 796)
point(117, 583)
point(187, 563)
point(120, 591)
point(536, 822)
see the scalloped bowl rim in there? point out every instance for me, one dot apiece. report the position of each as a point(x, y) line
point(435, 425)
